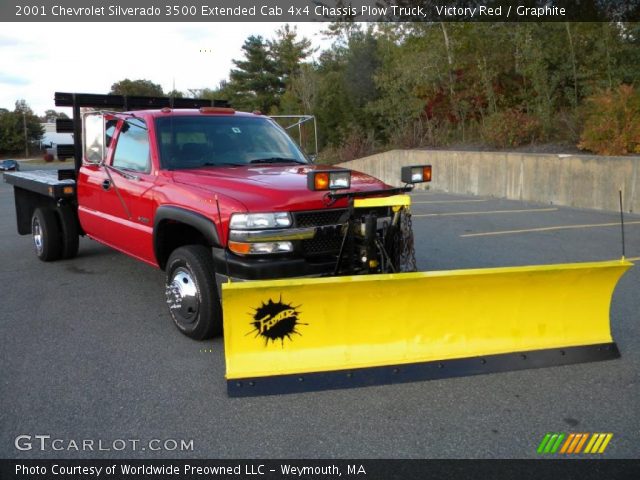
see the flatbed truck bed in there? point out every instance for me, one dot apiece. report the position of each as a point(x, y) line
point(50, 183)
point(49, 189)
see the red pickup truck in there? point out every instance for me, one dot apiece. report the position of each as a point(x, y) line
point(207, 194)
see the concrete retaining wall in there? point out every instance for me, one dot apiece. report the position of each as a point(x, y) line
point(583, 181)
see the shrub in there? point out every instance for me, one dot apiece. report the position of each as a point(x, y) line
point(48, 157)
point(511, 128)
point(355, 144)
point(567, 126)
point(421, 132)
point(612, 122)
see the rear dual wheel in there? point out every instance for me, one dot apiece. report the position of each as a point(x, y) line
point(69, 230)
point(45, 231)
point(55, 233)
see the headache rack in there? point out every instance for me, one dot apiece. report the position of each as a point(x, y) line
point(120, 102)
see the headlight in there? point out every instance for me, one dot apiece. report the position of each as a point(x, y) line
point(251, 221)
point(328, 179)
point(415, 174)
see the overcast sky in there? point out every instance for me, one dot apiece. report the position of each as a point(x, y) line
point(38, 59)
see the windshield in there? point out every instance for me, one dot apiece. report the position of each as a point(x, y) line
point(199, 141)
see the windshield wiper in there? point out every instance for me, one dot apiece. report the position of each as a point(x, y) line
point(277, 160)
point(222, 164)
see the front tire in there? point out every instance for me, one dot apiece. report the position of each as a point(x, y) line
point(192, 294)
point(46, 235)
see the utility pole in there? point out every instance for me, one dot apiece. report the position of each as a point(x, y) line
point(26, 139)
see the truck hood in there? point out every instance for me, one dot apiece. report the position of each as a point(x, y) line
point(269, 187)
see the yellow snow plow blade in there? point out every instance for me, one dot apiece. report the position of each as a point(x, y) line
point(319, 333)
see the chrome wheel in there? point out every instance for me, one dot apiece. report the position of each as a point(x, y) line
point(183, 297)
point(192, 293)
point(36, 231)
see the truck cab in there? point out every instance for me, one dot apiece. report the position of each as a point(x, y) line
point(232, 181)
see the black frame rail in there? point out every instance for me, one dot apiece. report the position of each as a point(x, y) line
point(124, 102)
point(333, 196)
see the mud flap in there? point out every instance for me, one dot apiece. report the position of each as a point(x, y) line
point(298, 335)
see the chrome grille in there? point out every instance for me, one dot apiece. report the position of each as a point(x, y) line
point(316, 218)
point(322, 244)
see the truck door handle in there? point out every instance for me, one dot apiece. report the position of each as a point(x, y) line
point(106, 184)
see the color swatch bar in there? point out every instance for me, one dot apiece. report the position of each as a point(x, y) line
point(574, 443)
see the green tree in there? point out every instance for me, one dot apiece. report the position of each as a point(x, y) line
point(12, 128)
point(145, 88)
point(175, 94)
point(302, 91)
point(52, 115)
point(254, 83)
point(288, 54)
point(333, 107)
point(207, 93)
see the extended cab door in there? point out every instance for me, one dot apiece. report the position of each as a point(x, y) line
point(127, 193)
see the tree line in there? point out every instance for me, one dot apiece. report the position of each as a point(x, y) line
point(441, 84)
point(414, 85)
point(20, 129)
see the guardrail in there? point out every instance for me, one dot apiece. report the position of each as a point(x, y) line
point(583, 181)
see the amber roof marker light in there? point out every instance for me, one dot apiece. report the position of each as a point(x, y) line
point(219, 110)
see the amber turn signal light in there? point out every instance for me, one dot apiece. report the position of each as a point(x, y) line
point(415, 174)
point(240, 247)
point(328, 179)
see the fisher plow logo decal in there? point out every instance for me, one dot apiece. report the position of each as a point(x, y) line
point(276, 321)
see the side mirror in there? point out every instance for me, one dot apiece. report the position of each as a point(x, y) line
point(93, 140)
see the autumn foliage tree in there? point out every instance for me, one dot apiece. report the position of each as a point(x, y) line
point(612, 122)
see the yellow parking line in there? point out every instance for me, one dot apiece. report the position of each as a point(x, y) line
point(633, 259)
point(548, 229)
point(449, 201)
point(489, 212)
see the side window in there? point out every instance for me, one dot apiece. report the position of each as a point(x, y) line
point(132, 147)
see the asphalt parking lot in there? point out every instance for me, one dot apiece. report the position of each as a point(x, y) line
point(88, 351)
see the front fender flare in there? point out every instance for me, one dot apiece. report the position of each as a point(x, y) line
point(204, 225)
